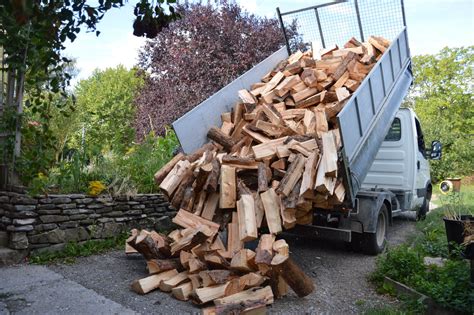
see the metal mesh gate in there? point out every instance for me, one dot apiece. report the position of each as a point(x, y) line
point(335, 22)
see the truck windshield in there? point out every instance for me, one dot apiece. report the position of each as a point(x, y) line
point(395, 132)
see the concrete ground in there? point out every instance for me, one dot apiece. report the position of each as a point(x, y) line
point(100, 284)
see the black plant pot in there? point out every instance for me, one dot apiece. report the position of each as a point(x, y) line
point(455, 234)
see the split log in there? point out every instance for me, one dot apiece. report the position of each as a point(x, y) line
point(246, 218)
point(243, 307)
point(150, 283)
point(271, 205)
point(293, 275)
point(278, 284)
point(186, 180)
point(215, 277)
point(343, 65)
point(221, 138)
point(268, 149)
point(160, 265)
point(172, 180)
point(210, 206)
point(197, 236)
point(228, 187)
point(254, 294)
point(259, 210)
point(213, 178)
point(273, 82)
point(264, 252)
point(187, 219)
point(244, 260)
point(233, 239)
point(196, 265)
point(262, 177)
point(215, 260)
point(184, 258)
point(201, 177)
point(207, 294)
point(183, 291)
point(309, 174)
point(128, 248)
point(169, 284)
point(293, 174)
point(163, 172)
point(246, 97)
point(146, 246)
point(329, 157)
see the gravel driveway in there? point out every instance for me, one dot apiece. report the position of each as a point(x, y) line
point(340, 277)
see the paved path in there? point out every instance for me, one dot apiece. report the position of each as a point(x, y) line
point(30, 289)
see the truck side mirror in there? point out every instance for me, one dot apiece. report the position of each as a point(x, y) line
point(435, 152)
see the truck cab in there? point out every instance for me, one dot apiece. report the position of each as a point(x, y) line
point(401, 164)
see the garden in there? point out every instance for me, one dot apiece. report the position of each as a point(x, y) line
point(430, 265)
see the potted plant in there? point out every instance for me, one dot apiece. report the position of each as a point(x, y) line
point(459, 230)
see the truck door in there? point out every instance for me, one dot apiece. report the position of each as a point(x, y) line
point(422, 167)
point(393, 167)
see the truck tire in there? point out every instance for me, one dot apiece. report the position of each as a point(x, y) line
point(425, 207)
point(374, 243)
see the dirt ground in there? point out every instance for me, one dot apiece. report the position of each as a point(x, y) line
point(340, 277)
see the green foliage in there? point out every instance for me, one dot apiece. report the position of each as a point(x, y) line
point(123, 174)
point(45, 135)
point(139, 164)
point(400, 263)
point(442, 97)
point(105, 110)
point(72, 250)
point(448, 285)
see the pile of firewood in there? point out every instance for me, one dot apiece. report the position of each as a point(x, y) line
point(273, 160)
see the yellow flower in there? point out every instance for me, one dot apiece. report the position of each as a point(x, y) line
point(130, 151)
point(96, 187)
point(41, 175)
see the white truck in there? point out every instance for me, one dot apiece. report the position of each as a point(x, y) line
point(386, 169)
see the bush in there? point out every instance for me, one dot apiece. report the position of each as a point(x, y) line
point(139, 164)
point(448, 285)
point(122, 174)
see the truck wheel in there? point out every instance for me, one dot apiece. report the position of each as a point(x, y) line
point(374, 243)
point(425, 207)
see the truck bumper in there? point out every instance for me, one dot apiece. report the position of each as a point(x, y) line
point(322, 232)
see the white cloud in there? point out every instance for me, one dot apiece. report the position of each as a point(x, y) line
point(249, 5)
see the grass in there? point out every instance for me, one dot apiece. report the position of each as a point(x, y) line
point(449, 285)
point(73, 250)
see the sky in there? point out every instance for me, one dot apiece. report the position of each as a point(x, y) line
point(432, 25)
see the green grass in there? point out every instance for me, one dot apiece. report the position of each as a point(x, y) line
point(464, 197)
point(73, 250)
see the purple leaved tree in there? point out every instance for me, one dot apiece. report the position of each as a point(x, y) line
point(196, 56)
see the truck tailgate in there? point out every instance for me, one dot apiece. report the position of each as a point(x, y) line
point(366, 118)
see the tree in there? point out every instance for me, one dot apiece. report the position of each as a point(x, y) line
point(442, 96)
point(31, 45)
point(105, 109)
point(196, 56)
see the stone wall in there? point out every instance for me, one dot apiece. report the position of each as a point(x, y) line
point(49, 222)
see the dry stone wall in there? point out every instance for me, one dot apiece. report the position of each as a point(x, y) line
point(49, 222)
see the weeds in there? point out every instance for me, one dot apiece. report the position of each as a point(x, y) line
point(73, 250)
